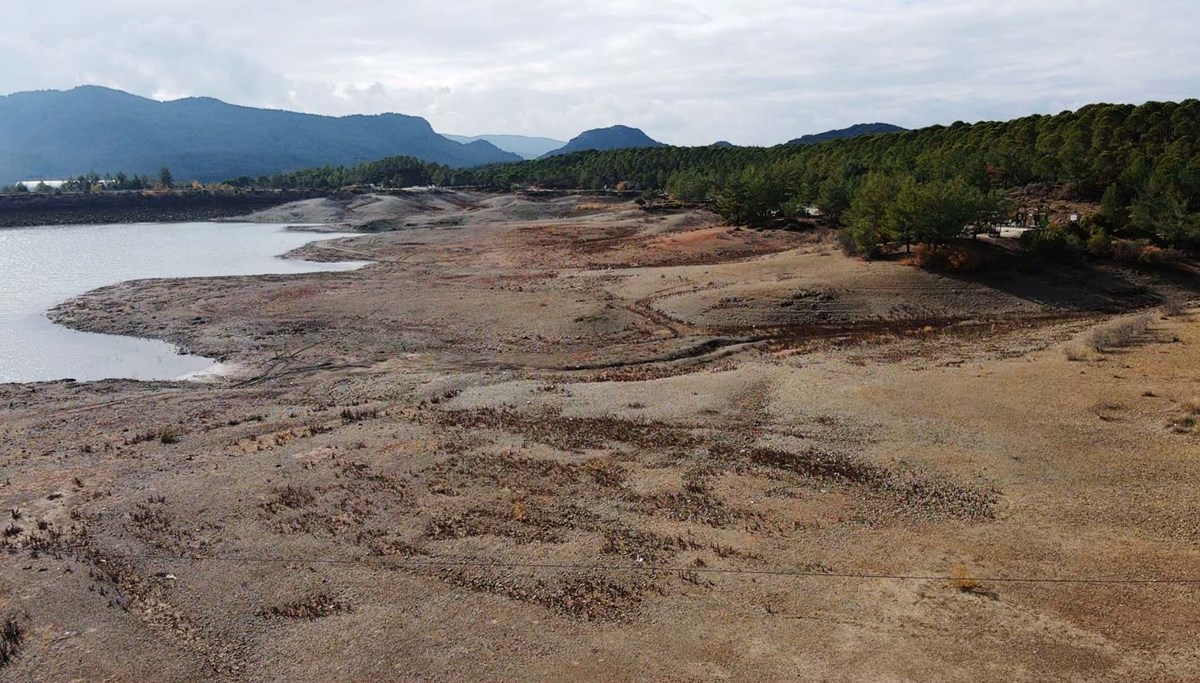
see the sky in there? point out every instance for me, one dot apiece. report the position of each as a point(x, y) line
point(687, 72)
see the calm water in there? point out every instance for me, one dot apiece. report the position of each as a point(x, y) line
point(41, 267)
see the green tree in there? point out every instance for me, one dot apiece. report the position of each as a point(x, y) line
point(868, 220)
point(936, 212)
point(165, 178)
point(1162, 213)
point(833, 197)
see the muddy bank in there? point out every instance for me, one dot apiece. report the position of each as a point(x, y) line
point(21, 210)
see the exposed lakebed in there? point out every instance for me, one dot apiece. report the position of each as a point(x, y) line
point(43, 266)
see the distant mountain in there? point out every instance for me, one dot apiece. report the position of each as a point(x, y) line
point(53, 134)
point(721, 143)
point(615, 137)
point(522, 146)
point(852, 131)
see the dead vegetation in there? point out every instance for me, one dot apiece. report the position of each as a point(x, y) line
point(965, 582)
point(1118, 334)
point(12, 636)
point(899, 491)
point(310, 608)
point(1186, 419)
point(567, 432)
point(1174, 307)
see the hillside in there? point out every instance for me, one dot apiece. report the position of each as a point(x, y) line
point(523, 146)
point(1139, 164)
point(844, 133)
point(52, 134)
point(613, 137)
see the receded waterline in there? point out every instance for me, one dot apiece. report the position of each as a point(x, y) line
point(43, 266)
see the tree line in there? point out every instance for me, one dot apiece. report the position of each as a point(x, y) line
point(1141, 164)
point(94, 182)
point(391, 172)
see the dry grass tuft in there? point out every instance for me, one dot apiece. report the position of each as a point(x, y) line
point(355, 415)
point(1188, 419)
point(966, 582)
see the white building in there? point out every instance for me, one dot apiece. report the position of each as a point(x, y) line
point(32, 184)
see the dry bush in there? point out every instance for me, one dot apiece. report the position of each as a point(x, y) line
point(354, 415)
point(12, 635)
point(168, 436)
point(1142, 252)
point(964, 581)
point(1118, 334)
point(1174, 307)
point(953, 259)
point(1128, 251)
point(307, 609)
point(1188, 420)
point(1158, 257)
point(290, 497)
point(1076, 353)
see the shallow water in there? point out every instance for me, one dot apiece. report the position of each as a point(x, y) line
point(41, 267)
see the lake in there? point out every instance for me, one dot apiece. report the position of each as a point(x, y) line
point(41, 267)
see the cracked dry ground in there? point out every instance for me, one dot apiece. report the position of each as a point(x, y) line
point(565, 440)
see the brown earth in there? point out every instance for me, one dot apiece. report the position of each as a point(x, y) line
point(562, 439)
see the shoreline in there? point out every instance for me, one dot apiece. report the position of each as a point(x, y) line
point(32, 210)
point(220, 367)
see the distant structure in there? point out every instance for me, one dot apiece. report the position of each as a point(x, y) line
point(32, 184)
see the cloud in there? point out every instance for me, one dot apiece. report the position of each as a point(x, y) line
point(755, 72)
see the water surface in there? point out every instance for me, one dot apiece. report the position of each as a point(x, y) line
point(44, 266)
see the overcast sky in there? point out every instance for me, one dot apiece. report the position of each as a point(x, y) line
point(687, 72)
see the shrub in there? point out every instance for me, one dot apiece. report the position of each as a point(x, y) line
point(1100, 245)
point(955, 259)
point(1075, 353)
point(1128, 251)
point(1051, 243)
point(12, 634)
point(1187, 419)
point(1160, 257)
point(1118, 334)
point(168, 436)
point(307, 609)
point(964, 581)
point(1143, 253)
point(1174, 307)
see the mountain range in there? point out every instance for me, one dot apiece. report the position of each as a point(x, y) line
point(521, 145)
point(843, 133)
point(613, 137)
point(54, 134)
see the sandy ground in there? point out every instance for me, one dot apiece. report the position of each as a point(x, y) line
point(563, 439)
